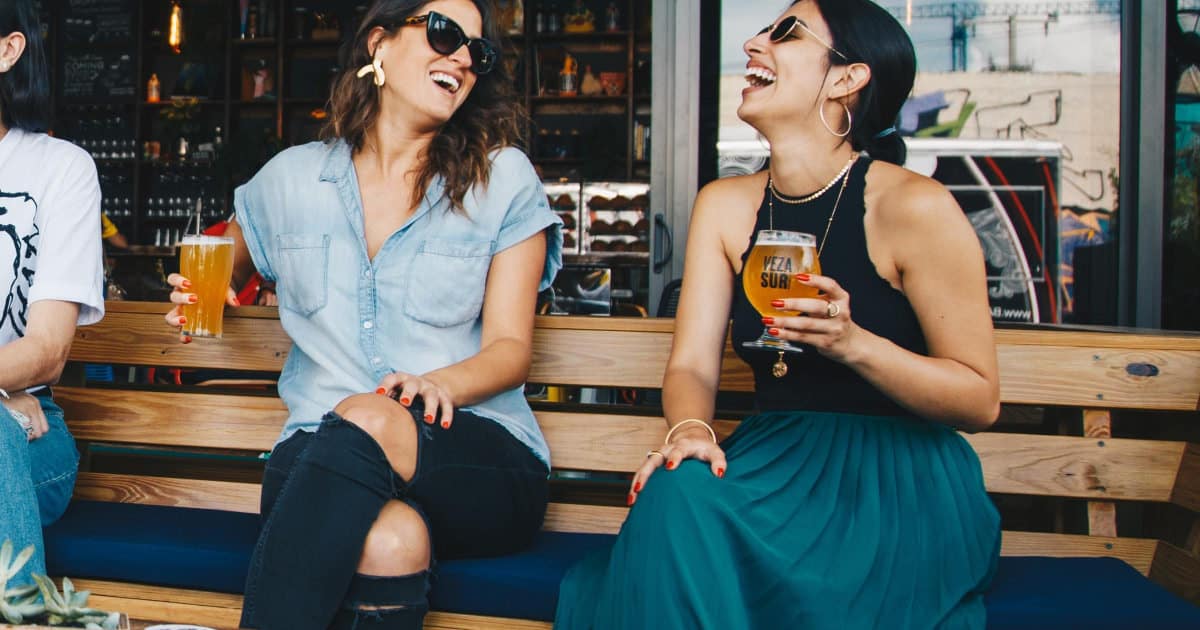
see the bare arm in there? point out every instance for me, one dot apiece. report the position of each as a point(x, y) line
point(942, 274)
point(702, 321)
point(38, 357)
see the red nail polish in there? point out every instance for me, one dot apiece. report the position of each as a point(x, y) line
point(187, 340)
point(720, 473)
point(774, 332)
point(237, 302)
point(803, 277)
point(428, 418)
point(670, 465)
point(777, 303)
point(637, 487)
point(182, 321)
point(187, 284)
point(768, 321)
point(405, 401)
point(629, 499)
point(381, 391)
point(445, 424)
point(192, 299)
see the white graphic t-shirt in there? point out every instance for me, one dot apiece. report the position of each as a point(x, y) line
point(49, 230)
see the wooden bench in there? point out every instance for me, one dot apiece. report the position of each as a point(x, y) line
point(1092, 373)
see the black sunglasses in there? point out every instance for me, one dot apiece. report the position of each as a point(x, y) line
point(446, 36)
point(787, 28)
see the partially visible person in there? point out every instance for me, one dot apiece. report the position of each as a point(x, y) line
point(408, 251)
point(110, 234)
point(849, 500)
point(52, 280)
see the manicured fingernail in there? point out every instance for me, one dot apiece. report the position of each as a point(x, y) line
point(774, 332)
point(767, 321)
point(182, 321)
point(445, 424)
point(803, 277)
point(777, 303)
point(637, 487)
point(187, 340)
point(192, 299)
point(405, 401)
point(630, 499)
point(670, 465)
point(428, 418)
point(237, 302)
point(721, 473)
point(187, 284)
point(381, 391)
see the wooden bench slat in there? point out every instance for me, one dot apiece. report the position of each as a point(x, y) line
point(160, 418)
point(1187, 480)
point(231, 496)
point(1115, 469)
point(1036, 367)
point(1137, 552)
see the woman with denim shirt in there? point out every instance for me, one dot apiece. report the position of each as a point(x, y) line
point(52, 278)
point(407, 252)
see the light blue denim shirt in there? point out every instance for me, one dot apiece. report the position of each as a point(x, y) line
point(415, 308)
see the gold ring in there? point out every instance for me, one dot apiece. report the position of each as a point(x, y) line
point(833, 310)
point(659, 453)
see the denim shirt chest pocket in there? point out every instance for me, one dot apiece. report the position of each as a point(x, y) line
point(303, 271)
point(446, 280)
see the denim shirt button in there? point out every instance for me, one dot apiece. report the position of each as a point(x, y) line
point(377, 360)
point(368, 324)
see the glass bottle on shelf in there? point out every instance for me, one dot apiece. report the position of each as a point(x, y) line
point(612, 17)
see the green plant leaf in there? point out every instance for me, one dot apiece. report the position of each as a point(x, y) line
point(20, 591)
point(11, 614)
point(79, 598)
point(5, 556)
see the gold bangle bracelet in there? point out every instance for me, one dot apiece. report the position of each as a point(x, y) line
point(711, 433)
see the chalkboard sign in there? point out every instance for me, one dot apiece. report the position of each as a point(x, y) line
point(99, 21)
point(98, 75)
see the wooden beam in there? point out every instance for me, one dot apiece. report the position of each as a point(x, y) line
point(1187, 481)
point(1177, 570)
point(1102, 515)
point(1137, 552)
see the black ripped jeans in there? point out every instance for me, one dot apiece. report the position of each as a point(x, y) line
point(481, 491)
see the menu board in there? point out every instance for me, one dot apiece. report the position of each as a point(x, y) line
point(99, 21)
point(98, 75)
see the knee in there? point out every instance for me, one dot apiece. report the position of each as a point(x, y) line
point(375, 414)
point(397, 544)
point(689, 487)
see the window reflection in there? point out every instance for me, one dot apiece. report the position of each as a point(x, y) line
point(1181, 293)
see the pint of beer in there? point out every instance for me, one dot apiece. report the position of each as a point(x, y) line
point(770, 274)
point(207, 261)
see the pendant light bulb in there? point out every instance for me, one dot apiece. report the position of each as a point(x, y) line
point(175, 28)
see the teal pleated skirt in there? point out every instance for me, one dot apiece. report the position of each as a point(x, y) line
point(823, 520)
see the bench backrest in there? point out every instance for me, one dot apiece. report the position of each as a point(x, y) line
point(1093, 372)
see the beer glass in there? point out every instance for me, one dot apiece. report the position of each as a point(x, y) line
point(206, 261)
point(770, 274)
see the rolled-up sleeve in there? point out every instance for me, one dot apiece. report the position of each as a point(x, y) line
point(248, 209)
point(528, 211)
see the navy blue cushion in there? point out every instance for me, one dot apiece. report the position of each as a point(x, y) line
point(210, 550)
point(522, 585)
point(200, 549)
point(1095, 593)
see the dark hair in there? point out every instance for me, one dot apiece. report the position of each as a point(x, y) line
point(489, 119)
point(867, 33)
point(25, 88)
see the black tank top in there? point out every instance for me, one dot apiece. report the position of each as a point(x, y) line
point(814, 382)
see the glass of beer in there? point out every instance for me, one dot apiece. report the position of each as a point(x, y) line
point(770, 274)
point(206, 261)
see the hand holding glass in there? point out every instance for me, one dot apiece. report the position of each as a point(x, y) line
point(207, 262)
point(770, 275)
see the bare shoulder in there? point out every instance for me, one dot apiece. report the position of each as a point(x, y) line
point(903, 200)
point(727, 193)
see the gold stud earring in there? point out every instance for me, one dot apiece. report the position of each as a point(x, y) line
point(374, 68)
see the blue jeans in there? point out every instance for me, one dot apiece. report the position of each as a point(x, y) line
point(36, 482)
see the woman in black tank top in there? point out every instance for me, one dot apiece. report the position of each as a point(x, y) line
point(849, 500)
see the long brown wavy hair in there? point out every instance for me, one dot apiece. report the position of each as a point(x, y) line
point(490, 118)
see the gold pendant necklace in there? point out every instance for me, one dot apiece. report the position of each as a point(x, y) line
point(780, 368)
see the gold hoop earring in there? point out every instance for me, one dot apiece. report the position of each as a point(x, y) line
point(374, 68)
point(849, 121)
